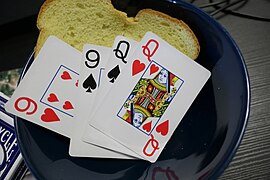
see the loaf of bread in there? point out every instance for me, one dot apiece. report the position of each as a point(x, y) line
point(98, 22)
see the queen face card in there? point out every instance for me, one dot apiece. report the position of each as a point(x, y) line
point(133, 69)
point(150, 98)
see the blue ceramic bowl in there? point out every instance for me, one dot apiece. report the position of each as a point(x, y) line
point(205, 141)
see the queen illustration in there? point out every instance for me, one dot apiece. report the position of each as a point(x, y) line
point(150, 98)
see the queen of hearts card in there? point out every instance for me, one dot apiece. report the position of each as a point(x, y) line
point(150, 98)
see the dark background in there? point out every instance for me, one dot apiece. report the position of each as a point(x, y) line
point(18, 35)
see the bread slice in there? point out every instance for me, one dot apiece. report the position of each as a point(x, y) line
point(98, 22)
point(174, 31)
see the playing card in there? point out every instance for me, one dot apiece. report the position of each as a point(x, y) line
point(105, 141)
point(94, 60)
point(122, 50)
point(45, 94)
point(121, 53)
point(150, 97)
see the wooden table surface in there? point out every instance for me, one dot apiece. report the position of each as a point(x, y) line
point(252, 160)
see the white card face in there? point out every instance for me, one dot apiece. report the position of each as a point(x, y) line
point(121, 53)
point(122, 50)
point(48, 93)
point(107, 141)
point(150, 97)
point(45, 96)
point(94, 60)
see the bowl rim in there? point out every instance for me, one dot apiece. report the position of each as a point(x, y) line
point(232, 149)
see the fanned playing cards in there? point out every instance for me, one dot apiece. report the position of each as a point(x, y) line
point(122, 102)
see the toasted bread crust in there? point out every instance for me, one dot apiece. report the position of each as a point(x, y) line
point(172, 19)
point(121, 17)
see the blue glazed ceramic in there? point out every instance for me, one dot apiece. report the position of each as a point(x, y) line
point(204, 142)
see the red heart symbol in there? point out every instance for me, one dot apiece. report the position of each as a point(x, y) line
point(137, 67)
point(68, 105)
point(153, 69)
point(147, 127)
point(49, 116)
point(52, 98)
point(163, 128)
point(77, 83)
point(65, 76)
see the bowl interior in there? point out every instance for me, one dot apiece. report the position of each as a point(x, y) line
point(207, 136)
